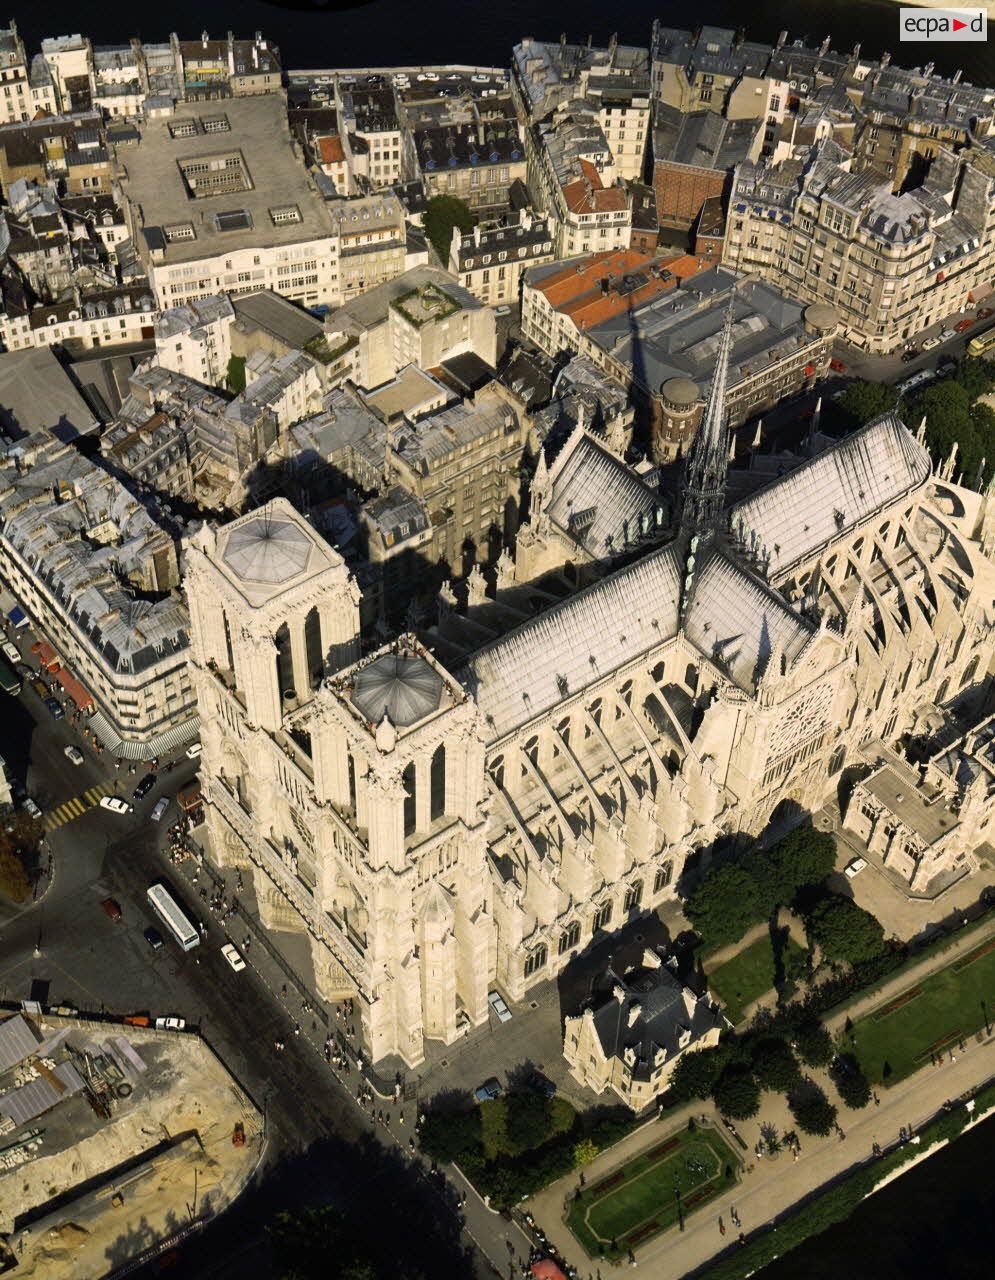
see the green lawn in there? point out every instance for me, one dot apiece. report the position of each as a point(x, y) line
point(641, 1200)
point(892, 1043)
point(747, 976)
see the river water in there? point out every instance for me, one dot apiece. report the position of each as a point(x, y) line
point(435, 31)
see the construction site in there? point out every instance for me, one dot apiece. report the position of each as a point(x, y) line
point(116, 1141)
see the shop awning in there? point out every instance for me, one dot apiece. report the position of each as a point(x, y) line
point(48, 659)
point(75, 690)
point(546, 1269)
point(17, 617)
point(189, 797)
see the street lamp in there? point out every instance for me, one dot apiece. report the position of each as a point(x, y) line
point(988, 1025)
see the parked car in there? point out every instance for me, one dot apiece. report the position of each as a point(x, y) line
point(170, 1024)
point(855, 867)
point(111, 908)
point(837, 366)
point(154, 938)
point(40, 687)
point(498, 1005)
point(31, 808)
point(932, 342)
point(489, 1090)
point(963, 325)
point(910, 354)
point(144, 787)
point(946, 335)
point(73, 753)
point(115, 804)
point(542, 1084)
point(161, 805)
point(11, 652)
point(194, 750)
point(55, 708)
point(946, 366)
point(986, 313)
point(230, 953)
point(502, 311)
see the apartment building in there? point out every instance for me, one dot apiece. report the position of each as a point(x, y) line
point(491, 259)
point(217, 201)
point(104, 317)
point(15, 85)
point(891, 265)
point(614, 82)
point(476, 162)
point(195, 339)
point(573, 179)
point(658, 340)
point(371, 132)
point(372, 241)
point(98, 579)
point(69, 149)
point(421, 318)
point(694, 154)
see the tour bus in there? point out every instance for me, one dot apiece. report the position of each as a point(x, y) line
point(10, 681)
point(982, 344)
point(165, 906)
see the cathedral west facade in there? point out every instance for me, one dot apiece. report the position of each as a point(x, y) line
point(470, 807)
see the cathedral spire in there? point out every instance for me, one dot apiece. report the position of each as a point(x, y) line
point(708, 459)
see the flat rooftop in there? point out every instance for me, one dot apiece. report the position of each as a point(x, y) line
point(247, 140)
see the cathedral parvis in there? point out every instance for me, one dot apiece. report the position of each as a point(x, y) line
point(467, 808)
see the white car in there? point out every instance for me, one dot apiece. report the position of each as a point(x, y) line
point(73, 753)
point(194, 750)
point(497, 1003)
point(31, 808)
point(115, 804)
point(10, 652)
point(947, 334)
point(855, 867)
point(920, 379)
point(932, 342)
point(170, 1024)
point(161, 805)
point(231, 955)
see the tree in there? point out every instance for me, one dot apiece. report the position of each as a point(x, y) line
point(584, 1152)
point(813, 1112)
point(18, 840)
point(696, 1072)
point(527, 1120)
point(814, 1044)
point(845, 933)
point(725, 905)
point(805, 856)
point(862, 401)
point(851, 1083)
point(305, 1241)
point(442, 214)
point(737, 1094)
point(448, 1135)
point(14, 880)
point(774, 1065)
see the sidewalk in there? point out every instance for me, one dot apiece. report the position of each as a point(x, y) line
point(770, 1186)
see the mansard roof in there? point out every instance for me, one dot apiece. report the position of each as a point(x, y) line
point(833, 493)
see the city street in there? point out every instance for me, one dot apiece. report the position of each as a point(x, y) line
point(322, 1145)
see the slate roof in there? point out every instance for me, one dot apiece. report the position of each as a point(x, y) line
point(833, 493)
point(597, 498)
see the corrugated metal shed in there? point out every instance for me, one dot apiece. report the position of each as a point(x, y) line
point(18, 1040)
point(40, 1095)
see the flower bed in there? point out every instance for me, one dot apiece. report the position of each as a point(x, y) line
point(647, 1229)
point(938, 1045)
point(663, 1148)
point(976, 954)
point(607, 1183)
point(897, 1003)
point(702, 1193)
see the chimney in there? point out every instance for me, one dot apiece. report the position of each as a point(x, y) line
point(618, 993)
point(203, 39)
point(635, 1012)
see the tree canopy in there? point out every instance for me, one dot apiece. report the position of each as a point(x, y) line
point(774, 1065)
point(862, 401)
point(813, 1112)
point(442, 213)
point(737, 1094)
point(805, 856)
point(846, 933)
point(725, 904)
point(813, 1044)
point(696, 1072)
point(305, 1241)
point(851, 1083)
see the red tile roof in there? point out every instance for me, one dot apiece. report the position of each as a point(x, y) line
point(330, 150)
point(589, 194)
point(584, 290)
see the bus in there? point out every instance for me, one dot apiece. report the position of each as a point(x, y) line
point(10, 681)
point(982, 344)
point(165, 906)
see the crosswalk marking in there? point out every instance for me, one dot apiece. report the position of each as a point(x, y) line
point(72, 809)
